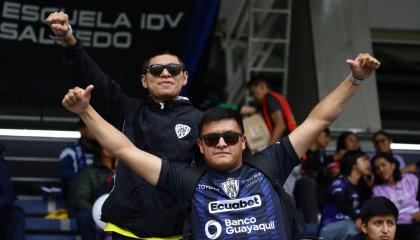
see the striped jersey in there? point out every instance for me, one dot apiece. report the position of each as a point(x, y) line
point(242, 204)
point(344, 200)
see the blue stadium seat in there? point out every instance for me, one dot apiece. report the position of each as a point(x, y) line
point(49, 237)
point(40, 207)
point(51, 225)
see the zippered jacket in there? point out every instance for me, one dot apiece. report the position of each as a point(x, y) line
point(168, 130)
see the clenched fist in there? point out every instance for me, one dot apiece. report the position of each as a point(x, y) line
point(77, 99)
point(59, 23)
point(363, 65)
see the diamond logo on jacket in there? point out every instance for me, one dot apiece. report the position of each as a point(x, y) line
point(182, 130)
point(231, 187)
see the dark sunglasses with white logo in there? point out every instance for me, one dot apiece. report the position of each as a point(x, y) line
point(156, 69)
point(230, 138)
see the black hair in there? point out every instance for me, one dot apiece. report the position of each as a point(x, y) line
point(219, 113)
point(257, 79)
point(349, 160)
point(378, 206)
point(341, 140)
point(381, 132)
point(389, 158)
point(327, 131)
point(153, 54)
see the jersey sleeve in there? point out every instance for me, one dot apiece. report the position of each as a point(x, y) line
point(170, 178)
point(67, 164)
point(282, 156)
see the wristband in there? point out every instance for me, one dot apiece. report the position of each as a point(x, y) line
point(63, 39)
point(354, 80)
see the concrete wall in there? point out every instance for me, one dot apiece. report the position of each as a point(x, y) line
point(394, 14)
point(302, 86)
point(340, 30)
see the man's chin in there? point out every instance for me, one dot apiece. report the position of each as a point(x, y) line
point(222, 165)
point(166, 96)
point(385, 238)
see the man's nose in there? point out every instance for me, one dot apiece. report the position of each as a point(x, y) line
point(165, 73)
point(221, 142)
point(385, 228)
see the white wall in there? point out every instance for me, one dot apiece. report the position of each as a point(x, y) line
point(394, 14)
point(340, 31)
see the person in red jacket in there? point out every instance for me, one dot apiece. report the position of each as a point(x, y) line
point(275, 108)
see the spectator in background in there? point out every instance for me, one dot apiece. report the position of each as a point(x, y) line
point(76, 156)
point(382, 142)
point(278, 117)
point(379, 216)
point(316, 161)
point(85, 188)
point(347, 141)
point(12, 218)
point(346, 194)
point(275, 108)
point(311, 189)
point(402, 190)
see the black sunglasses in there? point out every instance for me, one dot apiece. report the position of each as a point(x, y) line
point(230, 138)
point(156, 69)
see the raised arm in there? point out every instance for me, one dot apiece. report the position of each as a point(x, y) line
point(59, 24)
point(146, 165)
point(328, 110)
point(82, 69)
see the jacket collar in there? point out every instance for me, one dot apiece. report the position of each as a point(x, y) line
point(168, 103)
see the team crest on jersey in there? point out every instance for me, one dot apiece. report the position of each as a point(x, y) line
point(182, 130)
point(231, 187)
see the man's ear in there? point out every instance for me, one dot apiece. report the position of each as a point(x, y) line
point(199, 143)
point(363, 227)
point(143, 80)
point(185, 81)
point(243, 142)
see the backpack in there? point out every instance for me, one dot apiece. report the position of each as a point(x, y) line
point(285, 110)
point(293, 224)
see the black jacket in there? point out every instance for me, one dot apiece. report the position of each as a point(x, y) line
point(134, 204)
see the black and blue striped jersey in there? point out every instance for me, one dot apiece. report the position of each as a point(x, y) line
point(344, 200)
point(242, 204)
